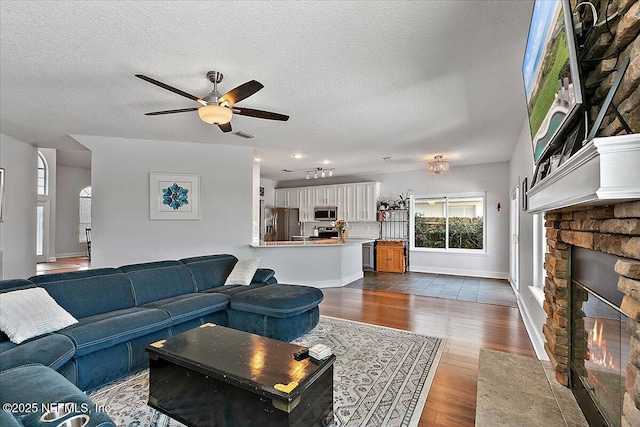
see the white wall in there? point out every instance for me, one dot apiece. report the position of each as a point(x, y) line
point(489, 178)
point(18, 230)
point(122, 232)
point(521, 166)
point(69, 183)
point(269, 192)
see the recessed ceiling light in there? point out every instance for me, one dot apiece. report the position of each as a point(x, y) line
point(297, 156)
point(325, 162)
point(257, 159)
point(388, 159)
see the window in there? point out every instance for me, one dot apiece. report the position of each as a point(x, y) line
point(448, 223)
point(43, 175)
point(85, 213)
point(40, 230)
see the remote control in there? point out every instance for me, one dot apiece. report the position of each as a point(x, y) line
point(302, 354)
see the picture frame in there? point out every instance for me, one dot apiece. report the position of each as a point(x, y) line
point(174, 196)
point(541, 171)
point(554, 162)
point(2, 194)
point(574, 141)
point(523, 193)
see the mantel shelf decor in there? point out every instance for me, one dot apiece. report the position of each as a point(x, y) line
point(174, 196)
point(604, 171)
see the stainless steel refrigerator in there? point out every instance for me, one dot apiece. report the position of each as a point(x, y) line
point(282, 223)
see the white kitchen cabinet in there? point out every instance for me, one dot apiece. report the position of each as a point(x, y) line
point(326, 195)
point(363, 205)
point(370, 201)
point(347, 202)
point(355, 202)
point(287, 197)
point(306, 203)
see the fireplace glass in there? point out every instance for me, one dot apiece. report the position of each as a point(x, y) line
point(600, 355)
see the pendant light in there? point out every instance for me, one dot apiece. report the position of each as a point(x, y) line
point(438, 166)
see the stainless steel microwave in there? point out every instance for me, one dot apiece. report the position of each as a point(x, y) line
point(325, 213)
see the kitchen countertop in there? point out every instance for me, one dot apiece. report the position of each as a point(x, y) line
point(312, 243)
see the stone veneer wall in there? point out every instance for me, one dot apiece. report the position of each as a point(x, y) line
point(610, 229)
point(605, 51)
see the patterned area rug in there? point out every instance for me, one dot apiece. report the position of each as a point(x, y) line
point(381, 378)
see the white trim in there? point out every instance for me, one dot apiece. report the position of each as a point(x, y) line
point(460, 272)
point(538, 294)
point(71, 255)
point(477, 252)
point(535, 335)
point(604, 171)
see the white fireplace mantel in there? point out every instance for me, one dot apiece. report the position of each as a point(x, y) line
point(604, 171)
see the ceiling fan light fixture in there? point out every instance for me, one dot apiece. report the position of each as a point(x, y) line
point(215, 114)
point(438, 166)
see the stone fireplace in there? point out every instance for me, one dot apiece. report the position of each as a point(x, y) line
point(592, 218)
point(595, 300)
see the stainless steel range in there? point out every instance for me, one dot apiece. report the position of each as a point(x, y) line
point(326, 233)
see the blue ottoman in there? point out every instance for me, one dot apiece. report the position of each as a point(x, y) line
point(279, 311)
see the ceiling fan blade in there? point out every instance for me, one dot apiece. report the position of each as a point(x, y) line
point(250, 112)
point(171, 88)
point(182, 110)
point(241, 92)
point(225, 127)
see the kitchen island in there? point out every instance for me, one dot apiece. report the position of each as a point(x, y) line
point(319, 263)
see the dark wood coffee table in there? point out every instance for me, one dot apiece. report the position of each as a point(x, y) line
point(217, 376)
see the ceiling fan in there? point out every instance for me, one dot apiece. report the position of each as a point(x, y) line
point(216, 109)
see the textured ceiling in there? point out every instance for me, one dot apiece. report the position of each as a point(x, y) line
point(360, 80)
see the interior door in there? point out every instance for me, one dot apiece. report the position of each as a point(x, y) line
point(514, 269)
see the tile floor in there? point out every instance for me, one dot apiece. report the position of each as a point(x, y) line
point(462, 288)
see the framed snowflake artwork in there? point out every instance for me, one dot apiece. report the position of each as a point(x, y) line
point(174, 196)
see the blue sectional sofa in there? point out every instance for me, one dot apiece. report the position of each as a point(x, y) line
point(122, 310)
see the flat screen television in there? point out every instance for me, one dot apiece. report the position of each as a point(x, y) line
point(551, 75)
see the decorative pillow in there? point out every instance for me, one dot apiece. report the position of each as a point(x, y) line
point(28, 313)
point(243, 272)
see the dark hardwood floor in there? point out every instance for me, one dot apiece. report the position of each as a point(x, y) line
point(468, 327)
point(63, 265)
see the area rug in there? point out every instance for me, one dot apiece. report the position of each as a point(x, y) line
point(381, 378)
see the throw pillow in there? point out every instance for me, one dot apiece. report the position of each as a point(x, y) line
point(243, 272)
point(28, 313)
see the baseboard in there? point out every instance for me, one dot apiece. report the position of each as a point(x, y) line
point(70, 255)
point(535, 336)
point(460, 272)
